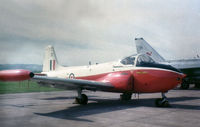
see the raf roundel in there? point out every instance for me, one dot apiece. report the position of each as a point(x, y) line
point(72, 76)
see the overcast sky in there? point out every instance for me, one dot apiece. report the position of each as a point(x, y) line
point(97, 31)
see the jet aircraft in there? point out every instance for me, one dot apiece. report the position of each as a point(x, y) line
point(191, 67)
point(137, 73)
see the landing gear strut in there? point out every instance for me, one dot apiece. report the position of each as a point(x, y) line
point(125, 96)
point(162, 102)
point(82, 98)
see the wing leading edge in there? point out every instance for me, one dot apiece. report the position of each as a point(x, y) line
point(71, 83)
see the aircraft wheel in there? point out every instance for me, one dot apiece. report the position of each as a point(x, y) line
point(83, 100)
point(158, 102)
point(184, 85)
point(197, 86)
point(166, 104)
point(125, 96)
point(161, 102)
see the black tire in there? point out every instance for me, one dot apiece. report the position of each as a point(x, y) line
point(197, 85)
point(158, 102)
point(165, 104)
point(83, 100)
point(126, 96)
point(184, 85)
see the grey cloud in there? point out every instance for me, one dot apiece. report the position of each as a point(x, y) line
point(96, 30)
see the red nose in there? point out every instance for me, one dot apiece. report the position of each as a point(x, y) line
point(184, 76)
point(15, 75)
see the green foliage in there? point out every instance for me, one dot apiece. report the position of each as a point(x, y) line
point(23, 87)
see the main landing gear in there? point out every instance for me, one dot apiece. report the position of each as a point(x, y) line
point(197, 85)
point(125, 96)
point(162, 102)
point(184, 85)
point(81, 99)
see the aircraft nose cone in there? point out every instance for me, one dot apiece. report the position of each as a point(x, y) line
point(180, 77)
point(184, 75)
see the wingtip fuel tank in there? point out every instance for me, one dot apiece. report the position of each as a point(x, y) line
point(15, 75)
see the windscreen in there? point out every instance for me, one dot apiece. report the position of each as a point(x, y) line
point(128, 60)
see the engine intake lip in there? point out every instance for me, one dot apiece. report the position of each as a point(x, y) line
point(31, 74)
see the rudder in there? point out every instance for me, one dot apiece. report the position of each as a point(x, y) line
point(50, 62)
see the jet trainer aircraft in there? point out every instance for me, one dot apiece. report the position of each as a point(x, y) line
point(133, 74)
point(191, 67)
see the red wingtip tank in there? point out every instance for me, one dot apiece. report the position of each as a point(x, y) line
point(15, 75)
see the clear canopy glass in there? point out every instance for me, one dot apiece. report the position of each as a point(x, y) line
point(141, 59)
point(130, 60)
point(144, 59)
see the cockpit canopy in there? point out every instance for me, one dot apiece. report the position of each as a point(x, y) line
point(144, 59)
point(139, 59)
point(130, 60)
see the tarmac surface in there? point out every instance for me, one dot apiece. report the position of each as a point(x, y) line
point(56, 109)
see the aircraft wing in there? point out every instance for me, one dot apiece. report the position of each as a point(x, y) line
point(71, 83)
point(20, 75)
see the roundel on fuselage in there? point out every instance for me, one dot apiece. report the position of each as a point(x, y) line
point(72, 76)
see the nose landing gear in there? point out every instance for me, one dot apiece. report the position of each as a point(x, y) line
point(162, 102)
point(125, 96)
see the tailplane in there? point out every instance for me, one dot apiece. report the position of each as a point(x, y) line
point(50, 62)
point(143, 47)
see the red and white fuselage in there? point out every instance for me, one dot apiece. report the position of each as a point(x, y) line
point(125, 75)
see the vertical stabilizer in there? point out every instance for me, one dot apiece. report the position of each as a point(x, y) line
point(50, 62)
point(143, 47)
